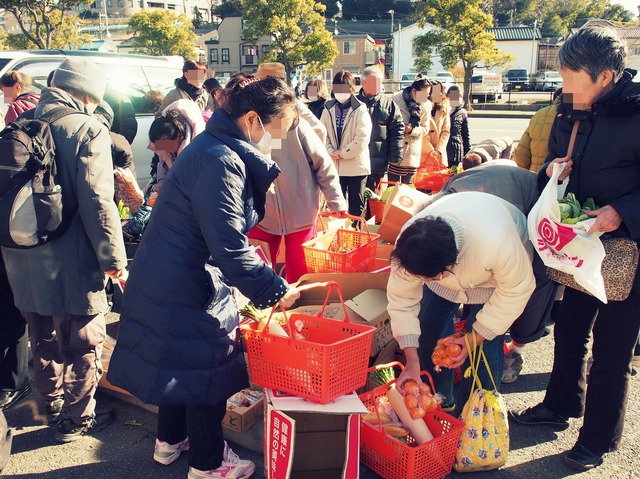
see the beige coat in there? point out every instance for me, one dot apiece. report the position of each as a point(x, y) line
point(439, 132)
point(412, 146)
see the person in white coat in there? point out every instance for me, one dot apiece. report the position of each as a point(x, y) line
point(348, 127)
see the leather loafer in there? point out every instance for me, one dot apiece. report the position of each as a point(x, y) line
point(538, 414)
point(582, 459)
point(9, 397)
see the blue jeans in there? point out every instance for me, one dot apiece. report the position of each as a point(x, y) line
point(436, 321)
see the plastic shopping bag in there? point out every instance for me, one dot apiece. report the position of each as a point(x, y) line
point(484, 441)
point(567, 248)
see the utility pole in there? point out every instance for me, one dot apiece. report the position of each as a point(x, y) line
point(392, 12)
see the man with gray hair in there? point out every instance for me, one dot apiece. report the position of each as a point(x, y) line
point(601, 110)
point(59, 285)
point(388, 128)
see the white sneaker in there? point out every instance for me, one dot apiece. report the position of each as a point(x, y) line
point(166, 453)
point(232, 467)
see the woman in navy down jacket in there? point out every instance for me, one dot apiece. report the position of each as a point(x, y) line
point(177, 343)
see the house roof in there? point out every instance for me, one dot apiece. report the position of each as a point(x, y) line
point(515, 33)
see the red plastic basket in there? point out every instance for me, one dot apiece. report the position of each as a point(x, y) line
point(322, 256)
point(329, 360)
point(392, 459)
point(425, 179)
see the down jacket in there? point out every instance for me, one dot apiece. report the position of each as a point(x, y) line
point(533, 148)
point(356, 134)
point(459, 141)
point(24, 102)
point(606, 155)
point(413, 147)
point(66, 275)
point(175, 344)
point(387, 133)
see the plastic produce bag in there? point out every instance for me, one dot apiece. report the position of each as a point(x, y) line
point(567, 248)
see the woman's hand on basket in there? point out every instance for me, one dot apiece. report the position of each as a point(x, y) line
point(289, 298)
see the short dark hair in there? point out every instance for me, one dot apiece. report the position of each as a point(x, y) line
point(169, 125)
point(471, 159)
point(426, 247)
point(594, 49)
point(344, 77)
point(420, 83)
point(268, 97)
point(12, 77)
point(193, 65)
point(212, 85)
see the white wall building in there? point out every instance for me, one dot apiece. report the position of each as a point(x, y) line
point(522, 42)
point(404, 53)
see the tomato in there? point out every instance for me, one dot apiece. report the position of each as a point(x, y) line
point(417, 413)
point(411, 388)
point(424, 389)
point(453, 350)
point(411, 401)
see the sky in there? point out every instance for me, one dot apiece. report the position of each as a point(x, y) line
point(631, 5)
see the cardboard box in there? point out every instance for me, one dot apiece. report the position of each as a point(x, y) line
point(370, 309)
point(241, 419)
point(309, 440)
point(403, 203)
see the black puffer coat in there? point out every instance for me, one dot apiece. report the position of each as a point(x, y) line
point(387, 134)
point(173, 344)
point(606, 154)
point(459, 141)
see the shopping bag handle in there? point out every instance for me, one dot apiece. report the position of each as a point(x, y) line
point(325, 284)
point(351, 217)
point(476, 356)
point(385, 388)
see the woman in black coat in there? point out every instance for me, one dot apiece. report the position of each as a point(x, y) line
point(459, 142)
point(317, 94)
point(177, 345)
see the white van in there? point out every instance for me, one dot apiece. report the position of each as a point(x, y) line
point(133, 75)
point(486, 85)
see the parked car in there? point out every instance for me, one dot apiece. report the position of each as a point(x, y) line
point(406, 79)
point(446, 81)
point(133, 75)
point(547, 81)
point(486, 85)
point(445, 76)
point(517, 79)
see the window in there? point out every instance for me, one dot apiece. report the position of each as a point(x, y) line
point(131, 3)
point(213, 54)
point(98, 4)
point(265, 50)
point(328, 75)
point(109, 3)
point(349, 48)
point(225, 56)
point(250, 55)
point(121, 3)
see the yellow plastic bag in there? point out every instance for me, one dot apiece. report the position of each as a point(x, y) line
point(484, 442)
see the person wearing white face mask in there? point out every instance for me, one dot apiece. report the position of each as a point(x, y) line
point(415, 108)
point(348, 134)
point(459, 141)
point(177, 344)
point(317, 93)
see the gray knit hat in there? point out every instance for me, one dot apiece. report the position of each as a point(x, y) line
point(82, 76)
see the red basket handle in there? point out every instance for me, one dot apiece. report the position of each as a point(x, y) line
point(385, 388)
point(351, 217)
point(326, 284)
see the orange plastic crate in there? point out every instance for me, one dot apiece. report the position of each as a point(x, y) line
point(393, 459)
point(430, 180)
point(322, 253)
point(329, 362)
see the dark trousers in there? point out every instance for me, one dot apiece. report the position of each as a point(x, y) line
point(353, 190)
point(203, 426)
point(604, 400)
point(14, 372)
point(373, 180)
point(66, 360)
point(531, 324)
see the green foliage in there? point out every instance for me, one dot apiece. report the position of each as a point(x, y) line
point(331, 8)
point(462, 37)
point(197, 17)
point(39, 20)
point(3, 41)
point(162, 32)
point(64, 37)
point(297, 28)
point(376, 9)
point(227, 8)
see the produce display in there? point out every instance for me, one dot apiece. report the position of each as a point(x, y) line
point(418, 399)
point(245, 398)
point(571, 212)
point(445, 351)
point(123, 211)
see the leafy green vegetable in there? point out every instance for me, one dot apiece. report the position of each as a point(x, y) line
point(571, 212)
point(386, 194)
point(382, 376)
point(123, 211)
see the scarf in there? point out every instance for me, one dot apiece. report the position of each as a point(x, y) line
point(193, 92)
point(413, 106)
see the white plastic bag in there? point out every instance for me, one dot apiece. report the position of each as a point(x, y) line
point(567, 248)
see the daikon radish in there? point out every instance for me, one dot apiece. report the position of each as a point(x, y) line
point(274, 327)
point(417, 427)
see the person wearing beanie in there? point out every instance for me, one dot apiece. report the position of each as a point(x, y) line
point(190, 87)
point(59, 286)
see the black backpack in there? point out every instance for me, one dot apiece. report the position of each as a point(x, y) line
point(31, 207)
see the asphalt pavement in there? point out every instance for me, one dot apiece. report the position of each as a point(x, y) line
point(124, 450)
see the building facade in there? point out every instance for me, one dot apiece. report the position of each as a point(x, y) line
point(522, 42)
point(126, 8)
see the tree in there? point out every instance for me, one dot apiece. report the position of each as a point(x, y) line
point(331, 8)
point(162, 32)
point(376, 9)
point(227, 8)
point(461, 37)
point(3, 40)
point(64, 37)
point(38, 20)
point(297, 28)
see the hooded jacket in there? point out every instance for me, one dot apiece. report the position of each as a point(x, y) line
point(66, 275)
point(175, 340)
point(26, 101)
point(387, 133)
point(356, 134)
point(606, 155)
point(459, 141)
